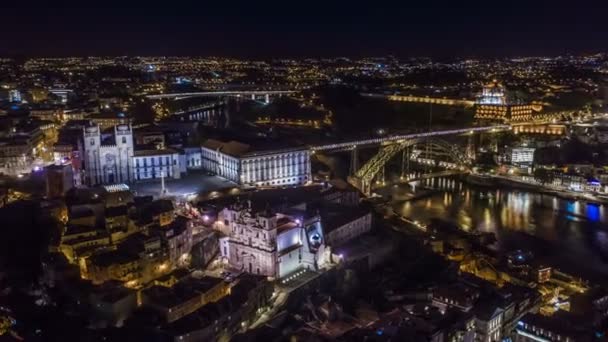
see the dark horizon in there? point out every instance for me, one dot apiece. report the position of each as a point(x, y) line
point(438, 58)
point(243, 30)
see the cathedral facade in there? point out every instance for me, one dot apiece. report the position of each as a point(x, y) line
point(111, 163)
point(119, 162)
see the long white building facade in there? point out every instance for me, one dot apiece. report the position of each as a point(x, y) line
point(271, 244)
point(242, 165)
point(114, 159)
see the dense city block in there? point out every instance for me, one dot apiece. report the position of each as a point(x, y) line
point(171, 198)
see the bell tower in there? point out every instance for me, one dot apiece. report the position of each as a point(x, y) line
point(92, 163)
point(124, 143)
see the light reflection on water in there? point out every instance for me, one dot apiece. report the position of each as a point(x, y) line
point(559, 232)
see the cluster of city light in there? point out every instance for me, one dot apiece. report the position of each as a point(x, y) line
point(221, 93)
point(293, 277)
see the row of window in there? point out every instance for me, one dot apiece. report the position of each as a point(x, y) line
point(240, 231)
point(294, 158)
point(265, 176)
point(152, 173)
point(286, 181)
point(258, 167)
point(151, 161)
point(542, 332)
point(194, 162)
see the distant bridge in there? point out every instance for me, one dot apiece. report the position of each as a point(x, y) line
point(235, 93)
point(423, 99)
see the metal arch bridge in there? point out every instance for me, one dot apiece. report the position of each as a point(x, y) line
point(399, 138)
point(252, 93)
point(363, 178)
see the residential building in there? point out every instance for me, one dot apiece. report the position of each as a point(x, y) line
point(342, 224)
point(536, 327)
point(59, 179)
point(185, 297)
point(488, 322)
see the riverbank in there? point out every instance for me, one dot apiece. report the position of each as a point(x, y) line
point(495, 181)
point(559, 231)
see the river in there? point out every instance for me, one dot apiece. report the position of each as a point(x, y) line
point(570, 235)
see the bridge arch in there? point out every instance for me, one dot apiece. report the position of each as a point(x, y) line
point(363, 178)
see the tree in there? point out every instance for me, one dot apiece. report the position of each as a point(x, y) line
point(543, 176)
point(547, 155)
point(26, 236)
point(587, 108)
point(142, 112)
point(486, 159)
point(5, 325)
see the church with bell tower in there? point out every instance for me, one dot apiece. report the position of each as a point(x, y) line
point(108, 163)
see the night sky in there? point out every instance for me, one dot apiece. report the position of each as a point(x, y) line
point(295, 28)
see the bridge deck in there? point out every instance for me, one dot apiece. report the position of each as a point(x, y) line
point(221, 93)
point(375, 141)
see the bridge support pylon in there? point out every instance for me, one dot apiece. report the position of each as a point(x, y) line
point(405, 163)
point(354, 161)
point(363, 186)
point(471, 147)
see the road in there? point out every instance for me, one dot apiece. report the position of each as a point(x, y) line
point(278, 299)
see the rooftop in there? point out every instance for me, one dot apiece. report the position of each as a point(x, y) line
point(233, 148)
point(161, 152)
point(562, 323)
point(335, 216)
point(251, 146)
point(487, 310)
point(458, 292)
point(111, 291)
point(277, 199)
point(106, 259)
point(181, 292)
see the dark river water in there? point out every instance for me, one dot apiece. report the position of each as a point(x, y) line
point(570, 235)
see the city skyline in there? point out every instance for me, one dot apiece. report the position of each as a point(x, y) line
point(186, 172)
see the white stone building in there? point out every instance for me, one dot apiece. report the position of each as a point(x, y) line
point(118, 162)
point(489, 323)
point(345, 226)
point(270, 244)
point(152, 164)
point(243, 165)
